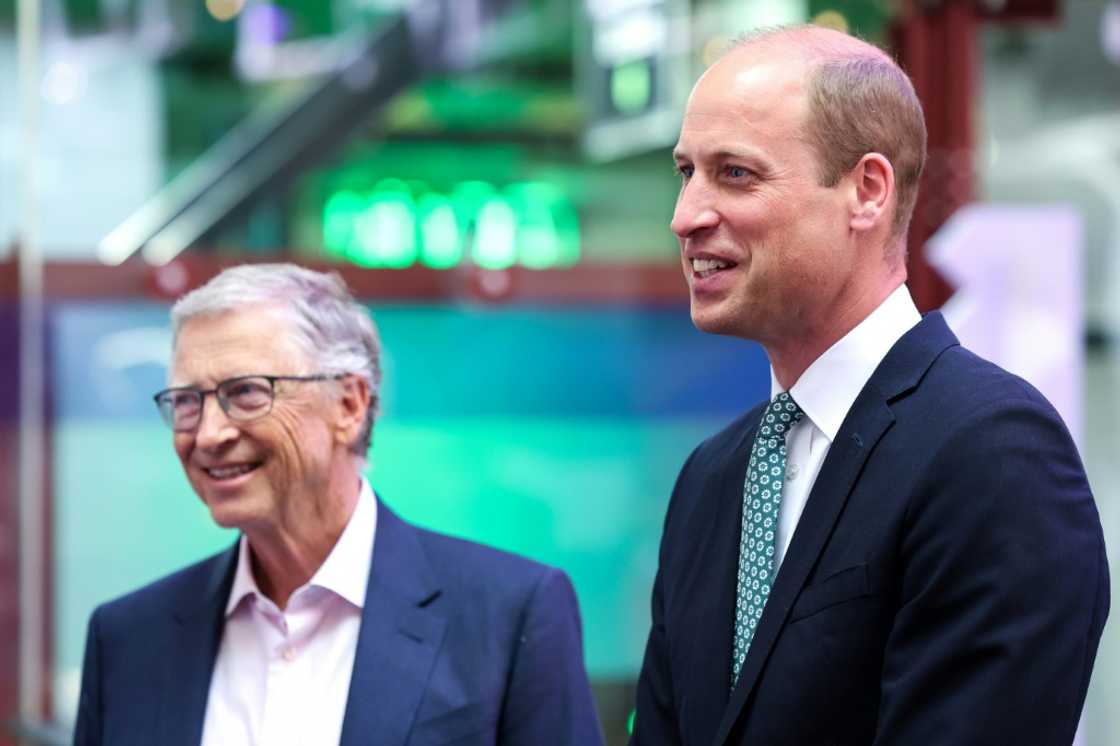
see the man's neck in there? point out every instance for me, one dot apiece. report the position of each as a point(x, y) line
point(794, 353)
point(285, 555)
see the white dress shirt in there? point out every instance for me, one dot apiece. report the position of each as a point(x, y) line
point(281, 677)
point(825, 392)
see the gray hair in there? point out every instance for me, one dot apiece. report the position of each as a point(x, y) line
point(332, 329)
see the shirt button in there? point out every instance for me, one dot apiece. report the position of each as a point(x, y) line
point(289, 653)
point(792, 472)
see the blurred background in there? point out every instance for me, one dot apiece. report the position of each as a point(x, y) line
point(493, 178)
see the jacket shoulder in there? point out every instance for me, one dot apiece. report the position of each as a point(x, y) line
point(166, 595)
point(962, 382)
point(478, 568)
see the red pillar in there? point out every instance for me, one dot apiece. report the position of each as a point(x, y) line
point(935, 42)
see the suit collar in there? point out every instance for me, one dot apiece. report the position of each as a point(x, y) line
point(190, 653)
point(217, 580)
point(907, 362)
point(828, 388)
point(345, 570)
point(711, 566)
point(868, 420)
point(399, 639)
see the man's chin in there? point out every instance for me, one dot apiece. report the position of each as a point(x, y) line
point(229, 512)
point(227, 519)
point(712, 319)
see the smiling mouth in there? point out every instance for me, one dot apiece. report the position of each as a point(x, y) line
point(708, 267)
point(222, 473)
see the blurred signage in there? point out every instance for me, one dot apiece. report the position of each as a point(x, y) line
point(633, 74)
point(398, 224)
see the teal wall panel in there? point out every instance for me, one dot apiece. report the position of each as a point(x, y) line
point(553, 433)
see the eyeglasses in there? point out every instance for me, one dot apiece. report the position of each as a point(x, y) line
point(243, 399)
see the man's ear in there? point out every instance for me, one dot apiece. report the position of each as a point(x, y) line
point(872, 193)
point(353, 403)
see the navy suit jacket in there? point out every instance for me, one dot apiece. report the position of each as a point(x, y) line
point(946, 583)
point(458, 644)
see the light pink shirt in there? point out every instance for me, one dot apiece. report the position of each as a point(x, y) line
point(281, 677)
point(825, 392)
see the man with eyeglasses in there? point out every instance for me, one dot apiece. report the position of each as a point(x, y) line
point(330, 620)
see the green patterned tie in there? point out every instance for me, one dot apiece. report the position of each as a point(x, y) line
point(762, 497)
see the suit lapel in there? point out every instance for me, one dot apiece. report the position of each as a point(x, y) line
point(398, 642)
point(190, 654)
point(868, 420)
point(710, 605)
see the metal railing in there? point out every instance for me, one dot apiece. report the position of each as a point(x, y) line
point(262, 156)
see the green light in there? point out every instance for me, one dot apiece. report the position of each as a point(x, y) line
point(630, 722)
point(631, 87)
point(533, 224)
point(495, 235)
point(566, 218)
point(548, 225)
point(339, 216)
point(441, 242)
point(386, 230)
point(538, 245)
point(469, 198)
point(416, 187)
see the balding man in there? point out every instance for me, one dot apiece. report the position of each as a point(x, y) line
point(901, 546)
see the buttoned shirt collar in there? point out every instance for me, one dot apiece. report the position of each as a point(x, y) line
point(829, 386)
point(345, 572)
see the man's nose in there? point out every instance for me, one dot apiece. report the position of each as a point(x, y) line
point(215, 428)
point(695, 210)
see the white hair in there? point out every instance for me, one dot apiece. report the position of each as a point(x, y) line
point(334, 331)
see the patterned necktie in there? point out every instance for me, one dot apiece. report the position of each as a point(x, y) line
point(762, 496)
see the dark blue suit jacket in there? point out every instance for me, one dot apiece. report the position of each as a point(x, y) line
point(459, 644)
point(946, 584)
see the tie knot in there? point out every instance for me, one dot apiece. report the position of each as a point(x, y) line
point(782, 414)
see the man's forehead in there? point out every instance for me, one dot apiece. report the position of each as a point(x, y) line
point(751, 79)
point(749, 100)
point(770, 75)
point(254, 334)
point(239, 318)
point(713, 134)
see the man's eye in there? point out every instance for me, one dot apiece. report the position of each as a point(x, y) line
point(184, 399)
point(684, 171)
point(247, 389)
point(737, 172)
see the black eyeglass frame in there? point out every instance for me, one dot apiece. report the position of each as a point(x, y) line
point(223, 401)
